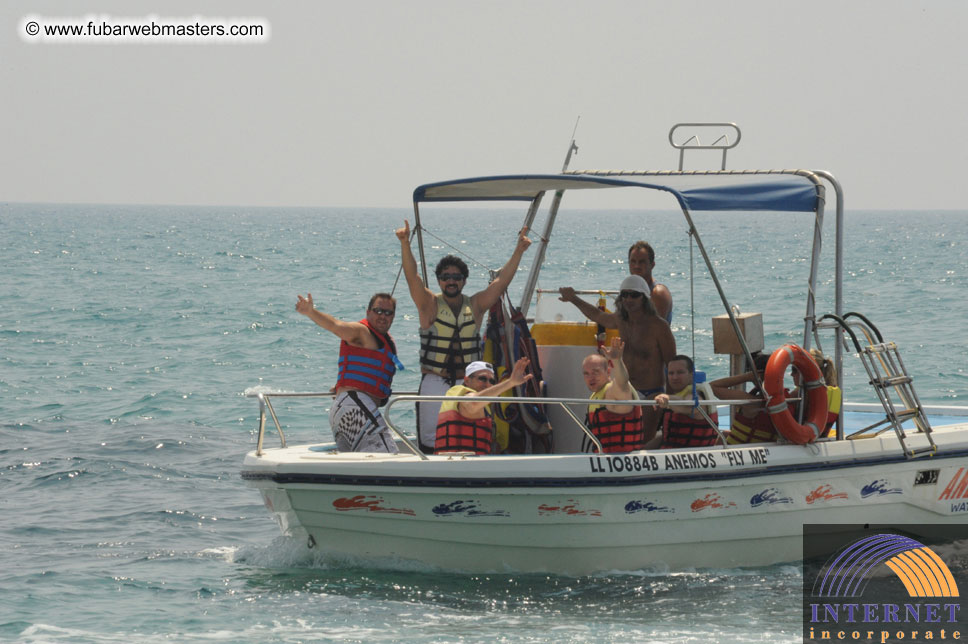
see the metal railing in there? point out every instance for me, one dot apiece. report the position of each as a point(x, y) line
point(266, 410)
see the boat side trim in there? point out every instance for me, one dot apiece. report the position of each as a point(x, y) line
point(596, 460)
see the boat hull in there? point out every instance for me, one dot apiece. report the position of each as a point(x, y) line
point(577, 514)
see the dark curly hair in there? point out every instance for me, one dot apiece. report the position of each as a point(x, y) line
point(451, 260)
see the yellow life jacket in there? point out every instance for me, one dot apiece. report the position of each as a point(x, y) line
point(759, 430)
point(452, 342)
point(835, 398)
point(455, 393)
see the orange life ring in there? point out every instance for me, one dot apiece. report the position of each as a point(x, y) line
point(816, 394)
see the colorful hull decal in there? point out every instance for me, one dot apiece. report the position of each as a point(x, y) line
point(370, 504)
point(713, 501)
point(633, 507)
point(769, 496)
point(878, 487)
point(468, 508)
point(569, 508)
point(824, 493)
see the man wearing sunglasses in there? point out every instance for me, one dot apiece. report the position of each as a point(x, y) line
point(464, 425)
point(367, 362)
point(649, 343)
point(450, 324)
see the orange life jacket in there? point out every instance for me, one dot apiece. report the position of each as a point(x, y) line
point(456, 433)
point(617, 432)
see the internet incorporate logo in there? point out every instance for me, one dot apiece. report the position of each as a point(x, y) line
point(834, 615)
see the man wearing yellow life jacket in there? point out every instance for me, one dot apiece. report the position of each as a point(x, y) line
point(464, 425)
point(684, 426)
point(450, 324)
point(617, 427)
point(367, 362)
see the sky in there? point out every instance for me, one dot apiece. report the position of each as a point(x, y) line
point(357, 103)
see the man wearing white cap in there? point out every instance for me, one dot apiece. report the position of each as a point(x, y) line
point(465, 425)
point(649, 343)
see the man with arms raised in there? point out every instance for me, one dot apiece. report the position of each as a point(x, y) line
point(450, 324)
point(649, 343)
point(617, 427)
point(641, 263)
point(367, 362)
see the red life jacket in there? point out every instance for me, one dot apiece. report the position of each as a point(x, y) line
point(617, 432)
point(682, 430)
point(456, 433)
point(368, 370)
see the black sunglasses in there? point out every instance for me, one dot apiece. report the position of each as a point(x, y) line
point(631, 294)
point(485, 378)
point(450, 277)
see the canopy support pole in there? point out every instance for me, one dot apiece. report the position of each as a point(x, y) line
point(722, 295)
point(546, 233)
point(420, 245)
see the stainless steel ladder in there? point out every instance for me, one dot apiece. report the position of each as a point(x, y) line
point(889, 378)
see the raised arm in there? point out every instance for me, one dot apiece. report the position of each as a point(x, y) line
point(723, 389)
point(423, 298)
point(517, 377)
point(352, 332)
point(484, 300)
point(621, 389)
point(589, 310)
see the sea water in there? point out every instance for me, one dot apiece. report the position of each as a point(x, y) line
point(129, 334)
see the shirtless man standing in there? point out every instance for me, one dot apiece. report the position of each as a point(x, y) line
point(641, 263)
point(649, 343)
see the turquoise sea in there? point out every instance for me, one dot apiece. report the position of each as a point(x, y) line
point(129, 334)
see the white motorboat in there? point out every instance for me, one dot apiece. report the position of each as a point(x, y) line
point(572, 512)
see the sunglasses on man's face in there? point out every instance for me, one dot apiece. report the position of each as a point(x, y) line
point(450, 277)
point(385, 312)
point(485, 378)
point(631, 294)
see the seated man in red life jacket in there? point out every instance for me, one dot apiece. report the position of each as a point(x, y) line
point(684, 426)
point(367, 362)
point(617, 427)
point(464, 425)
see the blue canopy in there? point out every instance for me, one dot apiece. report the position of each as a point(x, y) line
point(779, 190)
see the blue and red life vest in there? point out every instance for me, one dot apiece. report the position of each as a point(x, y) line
point(368, 370)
